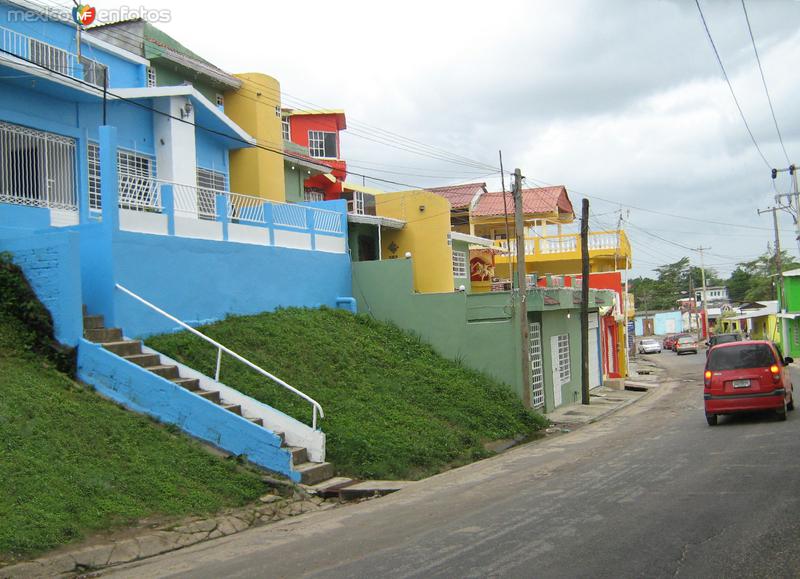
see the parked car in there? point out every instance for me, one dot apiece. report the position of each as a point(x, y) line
point(747, 376)
point(686, 344)
point(649, 346)
point(669, 341)
point(718, 339)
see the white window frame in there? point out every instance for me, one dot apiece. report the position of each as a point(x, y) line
point(316, 145)
point(93, 170)
point(459, 264)
point(564, 366)
point(152, 78)
point(537, 364)
point(309, 195)
point(286, 128)
point(278, 111)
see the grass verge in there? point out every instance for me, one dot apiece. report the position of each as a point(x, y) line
point(395, 409)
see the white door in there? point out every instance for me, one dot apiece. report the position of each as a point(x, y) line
point(537, 365)
point(555, 371)
point(594, 352)
point(669, 326)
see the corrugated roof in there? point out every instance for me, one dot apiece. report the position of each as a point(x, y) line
point(539, 200)
point(460, 196)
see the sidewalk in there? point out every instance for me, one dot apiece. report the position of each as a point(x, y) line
point(604, 401)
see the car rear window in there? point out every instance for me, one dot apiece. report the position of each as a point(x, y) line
point(741, 357)
point(726, 339)
point(685, 339)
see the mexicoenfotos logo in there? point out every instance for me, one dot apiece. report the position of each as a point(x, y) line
point(84, 14)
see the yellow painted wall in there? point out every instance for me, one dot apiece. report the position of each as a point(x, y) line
point(621, 360)
point(427, 218)
point(256, 171)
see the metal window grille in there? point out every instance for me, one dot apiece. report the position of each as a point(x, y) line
point(563, 358)
point(286, 129)
point(322, 144)
point(209, 183)
point(94, 72)
point(537, 364)
point(220, 100)
point(151, 77)
point(136, 184)
point(278, 111)
point(313, 195)
point(36, 168)
point(459, 264)
point(50, 57)
point(93, 167)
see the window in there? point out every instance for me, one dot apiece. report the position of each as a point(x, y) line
point(322, 144)
point(151, 77)
point(537, 365)
point(93, 166)
point(50, 57)
point(313, 195)
point(209, 182)
point(459, 264)
point(563, 358)
point(94, 72)
point(220, 100)
point(278, 111)
point(136, 184)
point(740, 357)
point(286, 128)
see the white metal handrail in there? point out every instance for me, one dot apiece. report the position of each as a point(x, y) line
point(220, 349)
point(327, 221)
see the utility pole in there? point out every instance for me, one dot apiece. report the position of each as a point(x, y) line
point(585, 301)
point(779, 270)
point(522, 290)
point(793, 198)
point(703, 327)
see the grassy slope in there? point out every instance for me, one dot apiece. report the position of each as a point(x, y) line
point(394, 408)
point(72, 462)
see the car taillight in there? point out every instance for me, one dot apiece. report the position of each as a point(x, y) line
point(776, 372)
point(707, 378)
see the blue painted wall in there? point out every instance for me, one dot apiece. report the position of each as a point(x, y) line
point(51, 262)
point(145, 392)
point(199, 281)
point(660, 323)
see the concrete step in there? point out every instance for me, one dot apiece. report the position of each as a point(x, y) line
point(211, 395)
point(103, 335)
point(257, 421)
point(312, 473)
point(282, 436)
point(164, 371)
point(124, 347)
point(299, 455)
point(235, 408)
point(192, 384)
point(93, 322)
point(145, 360)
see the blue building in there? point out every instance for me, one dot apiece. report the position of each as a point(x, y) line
point(107, 183)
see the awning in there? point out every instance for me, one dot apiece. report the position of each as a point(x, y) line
point(376, 220)
point(347, 186)
point(788, 316)
point(471, 239)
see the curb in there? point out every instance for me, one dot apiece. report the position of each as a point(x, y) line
point(168, 538)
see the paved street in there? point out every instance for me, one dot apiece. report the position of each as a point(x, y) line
point(650, 492)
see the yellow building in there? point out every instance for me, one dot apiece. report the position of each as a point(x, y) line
point(276, 165)
point(424, 237)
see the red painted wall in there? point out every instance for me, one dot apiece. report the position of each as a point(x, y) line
point(299, 127)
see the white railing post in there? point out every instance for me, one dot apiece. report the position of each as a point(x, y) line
point(219, 364)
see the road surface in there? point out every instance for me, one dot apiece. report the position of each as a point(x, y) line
point(650, 492)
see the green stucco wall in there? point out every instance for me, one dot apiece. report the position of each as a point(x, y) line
point(479, 330)
point(293, 180)
point(465, 281)
point(555, 323)
point(168, 74)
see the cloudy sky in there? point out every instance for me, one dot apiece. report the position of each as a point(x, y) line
point(620, 101)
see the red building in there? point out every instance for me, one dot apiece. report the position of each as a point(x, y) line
point(319, 132)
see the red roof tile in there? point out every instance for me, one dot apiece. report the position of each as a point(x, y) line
point(539, 200)
point(459, 196)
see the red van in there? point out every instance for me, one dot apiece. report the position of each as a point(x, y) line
point(746, 377)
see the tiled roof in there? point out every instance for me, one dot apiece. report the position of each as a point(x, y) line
point(539, 200)
point(459, 196)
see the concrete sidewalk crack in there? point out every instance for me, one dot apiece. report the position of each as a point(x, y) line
point(687, 546)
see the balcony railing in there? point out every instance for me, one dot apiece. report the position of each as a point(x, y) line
point(141, 193)
point(564, 245)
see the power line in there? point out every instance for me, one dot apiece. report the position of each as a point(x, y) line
point(764, 82)
point(730, 86)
